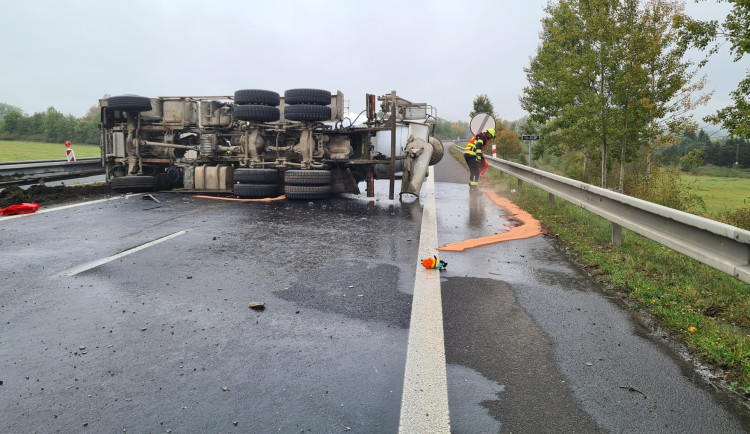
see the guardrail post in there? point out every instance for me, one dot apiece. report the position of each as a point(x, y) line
point(520, 183)
point(616, 234)
point(551, 200)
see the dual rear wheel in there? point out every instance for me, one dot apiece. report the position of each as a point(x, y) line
point(307, 184)
point(297, 185)
point(257, 183)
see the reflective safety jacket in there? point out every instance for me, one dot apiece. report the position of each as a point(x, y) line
point(475, 145)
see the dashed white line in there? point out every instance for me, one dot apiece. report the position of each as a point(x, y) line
point(424, 403)
point(103, 261)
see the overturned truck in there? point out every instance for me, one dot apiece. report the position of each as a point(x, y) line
point(258, 144)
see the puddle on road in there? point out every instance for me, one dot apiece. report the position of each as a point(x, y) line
point(356, 289)
point(469, 392)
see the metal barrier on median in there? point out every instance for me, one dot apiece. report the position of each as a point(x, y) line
point(24, 172)
point(719, 245)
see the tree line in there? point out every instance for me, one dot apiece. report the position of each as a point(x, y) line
point(730, 151)
point(49, 126)
point(610, 91)
point(610, 81)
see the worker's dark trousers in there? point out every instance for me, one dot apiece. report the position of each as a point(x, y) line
point(471, 160)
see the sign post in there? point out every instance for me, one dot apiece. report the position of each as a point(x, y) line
point(530, 138)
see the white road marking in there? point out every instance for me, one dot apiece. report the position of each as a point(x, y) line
point(60, 208)
point(424, 403)
point(103, 261)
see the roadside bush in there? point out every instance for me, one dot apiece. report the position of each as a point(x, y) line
point(573, 167)
point(666, 187)
point(739, 218)
point(7, 136)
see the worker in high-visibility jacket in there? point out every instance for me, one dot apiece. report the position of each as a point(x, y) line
point(473, 153)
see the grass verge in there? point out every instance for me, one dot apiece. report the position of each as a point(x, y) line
point(27, 151)
point(705, 309)
point(720, 193)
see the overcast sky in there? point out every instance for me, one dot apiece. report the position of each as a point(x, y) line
point(68, 54)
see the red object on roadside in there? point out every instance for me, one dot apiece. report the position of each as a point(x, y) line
point(483, 166)
point(23, 208)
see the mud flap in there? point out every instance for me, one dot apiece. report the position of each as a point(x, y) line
point(343, 182)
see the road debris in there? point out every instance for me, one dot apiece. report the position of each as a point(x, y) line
point(151, 196)
point(633, 389)
point(434, 262)
point(22, 208)
point(257, 305)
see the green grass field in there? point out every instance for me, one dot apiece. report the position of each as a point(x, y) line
point(27, 151)
point(721, 194)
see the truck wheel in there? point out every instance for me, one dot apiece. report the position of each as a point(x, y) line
point(307, 112)
point(438, 150)
point(129, 103)
point(307, 192)
point(307, 177)
point(307, 96)
point(257, 96)
point(260, 113)
point(256, 176)
point(134, 183)
point(256, 191)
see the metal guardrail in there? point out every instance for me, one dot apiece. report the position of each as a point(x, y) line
point(26, 172)
point(718, 245)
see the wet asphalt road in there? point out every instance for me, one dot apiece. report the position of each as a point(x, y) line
point(163, 339)
point(149, 341)
point(534, 345)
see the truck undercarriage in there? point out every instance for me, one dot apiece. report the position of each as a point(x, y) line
point(258, 144)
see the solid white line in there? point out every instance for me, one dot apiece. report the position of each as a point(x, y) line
point(424, 403)
point(60, 208)
point(103, 261)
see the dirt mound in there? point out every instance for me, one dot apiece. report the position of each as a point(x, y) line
point(45, 196)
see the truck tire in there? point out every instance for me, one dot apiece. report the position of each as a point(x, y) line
point(256, 191)
point(257, 96)
point(129, 103)
point(307, 192)
point(133, 183)
point(307, 177)
point(256, 176)
point(438, 150)
point(307, 112)
point(260, 113)
point(307, 96)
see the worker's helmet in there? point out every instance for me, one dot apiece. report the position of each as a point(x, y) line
point(491, 131)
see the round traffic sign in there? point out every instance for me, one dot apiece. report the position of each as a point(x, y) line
point(480, 122)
